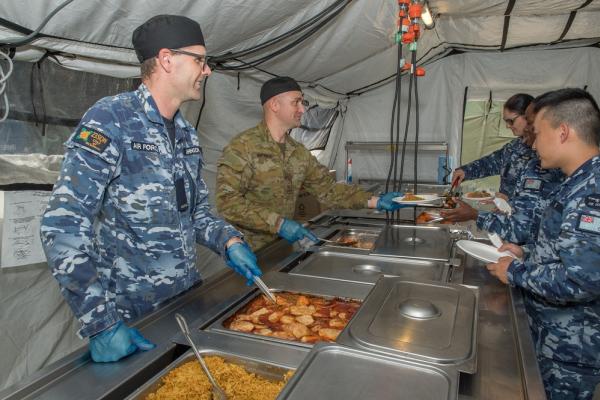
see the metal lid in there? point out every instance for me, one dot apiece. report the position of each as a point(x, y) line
point(331, 371)
point(427, 321)
point(424, 242)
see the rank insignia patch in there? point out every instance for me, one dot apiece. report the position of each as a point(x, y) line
point(92, 139)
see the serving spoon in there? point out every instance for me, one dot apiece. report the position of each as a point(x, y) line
point(217, 391)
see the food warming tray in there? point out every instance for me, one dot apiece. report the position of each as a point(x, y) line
point(278, 282)
point(331, 371)
point(424, 242)
point(269, 361)
point(369, 268)
point(428, 321)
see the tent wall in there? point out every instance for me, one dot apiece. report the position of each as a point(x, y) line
point(441, 94)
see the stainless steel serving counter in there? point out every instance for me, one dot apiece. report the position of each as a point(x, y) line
point(506, 365)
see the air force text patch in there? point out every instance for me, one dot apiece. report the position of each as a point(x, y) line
point(593, 201)
point(188, 151)
point(92, 139)
point(140, 146)
point(589, 223)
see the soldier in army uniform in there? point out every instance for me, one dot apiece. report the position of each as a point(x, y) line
point(560, 273)
point(509, 161)
point(262, 170)
point(121, 227)
point(532, 195)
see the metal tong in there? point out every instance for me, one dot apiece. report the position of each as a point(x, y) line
point(217, 391)
point(264, 289)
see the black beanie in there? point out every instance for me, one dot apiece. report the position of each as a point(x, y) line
point(165, 32)
point(276, 86)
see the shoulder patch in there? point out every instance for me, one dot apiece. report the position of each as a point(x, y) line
point(92, 139)
point(188, 151)
point(532, 184)
point(589, 223)
point(593, 201)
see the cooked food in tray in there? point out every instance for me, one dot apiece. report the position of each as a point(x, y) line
point(358, 241)
point(425, 217)
point(296, 317)
point(482, 194)
point(188, 381)
point(412, 197)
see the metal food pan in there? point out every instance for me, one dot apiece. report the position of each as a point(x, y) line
point(250, 356)
point(331, 371)
point(338, 232)
point(282, 282)
point(369, 268)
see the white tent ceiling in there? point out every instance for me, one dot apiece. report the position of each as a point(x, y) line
point(354, 49)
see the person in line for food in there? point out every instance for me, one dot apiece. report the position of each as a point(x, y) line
point(560, 273)
point(121, 226)
point(262, 170)
point(532, 196)
point(511, 159)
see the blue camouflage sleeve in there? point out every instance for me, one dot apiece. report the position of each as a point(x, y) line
point(574, 276)
point(211, 231)
point(67, 227)
point(485, 166)
point(516, 228)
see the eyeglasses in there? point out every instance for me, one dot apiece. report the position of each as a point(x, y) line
point(511, 121)
point(198, 58)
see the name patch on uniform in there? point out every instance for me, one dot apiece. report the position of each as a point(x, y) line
point(192, 150)
point(92, 139)
point(589, 223)
point(532, 184)
point(593, 201)
point(141, 146)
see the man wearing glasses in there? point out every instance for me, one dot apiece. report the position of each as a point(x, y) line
point(262, 171)
point(130, 205)
point(510, 160)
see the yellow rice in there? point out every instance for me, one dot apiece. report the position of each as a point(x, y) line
point(188, 382)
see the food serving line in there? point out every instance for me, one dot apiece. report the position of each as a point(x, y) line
point(432, 324)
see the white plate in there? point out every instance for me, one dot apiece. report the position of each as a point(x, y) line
point(482, 251)
point(503, 205)
point(478, 198)
point(427, 198)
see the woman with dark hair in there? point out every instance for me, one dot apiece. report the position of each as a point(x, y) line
point(509, 161)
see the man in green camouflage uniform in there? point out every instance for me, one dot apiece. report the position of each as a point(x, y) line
point(262, 171)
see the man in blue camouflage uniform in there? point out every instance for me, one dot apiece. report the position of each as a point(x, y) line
point(560, 272)
point(509, 161)
point(121, 227)
point(531, 197)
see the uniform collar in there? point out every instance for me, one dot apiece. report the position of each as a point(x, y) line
point(266, 135)
point(583, 171)
point(151, 109)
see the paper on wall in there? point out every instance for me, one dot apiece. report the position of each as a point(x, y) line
point(21, 244)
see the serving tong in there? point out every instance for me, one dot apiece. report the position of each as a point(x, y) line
point(218, 393)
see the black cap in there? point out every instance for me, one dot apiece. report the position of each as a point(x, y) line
point(276, 86)
point(165, 32)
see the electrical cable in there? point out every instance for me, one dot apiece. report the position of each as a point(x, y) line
point(203, 101)
point(395, 111)
point(219, 62)
point(4, 75)
point(414, 63)
point(254, 63)
point(21, 41)
point(279, 38)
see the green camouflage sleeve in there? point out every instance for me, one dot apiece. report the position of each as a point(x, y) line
point(320, 184)
point(234, 177)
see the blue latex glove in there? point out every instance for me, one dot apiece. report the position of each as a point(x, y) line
point(292, 231)
point(117, 342)
point(243, 261)
point(385, 202)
